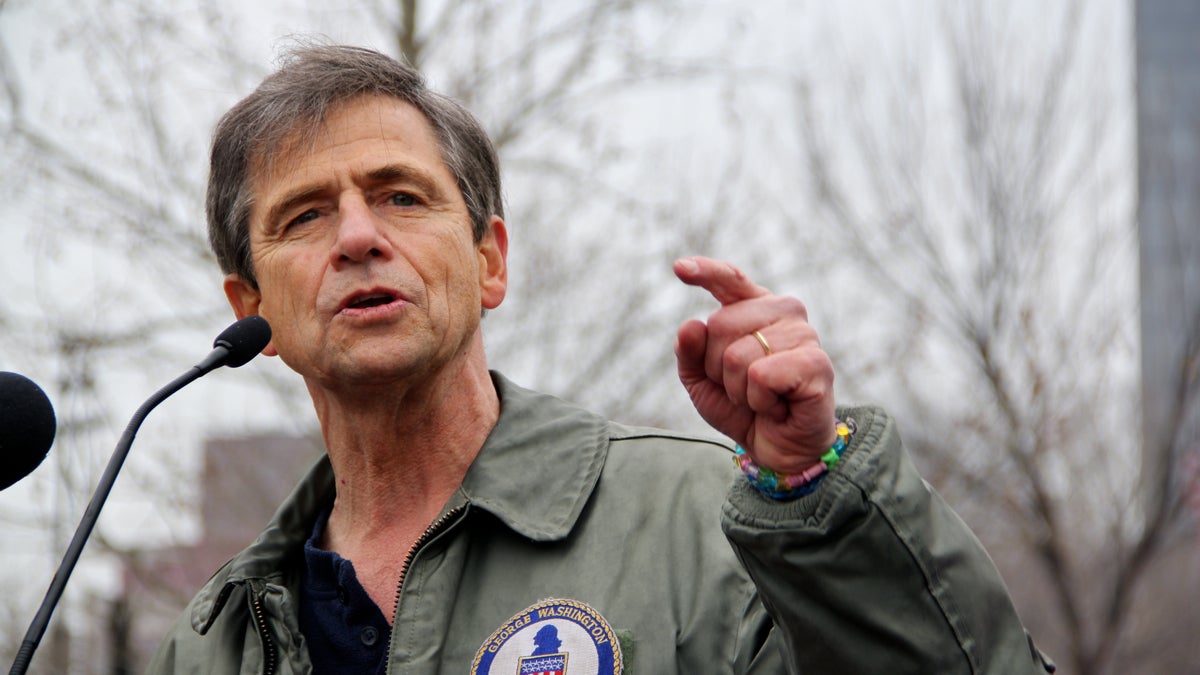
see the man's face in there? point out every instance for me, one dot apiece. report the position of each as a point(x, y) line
point(367, 267)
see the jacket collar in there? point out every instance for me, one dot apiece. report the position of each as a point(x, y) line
point(540, 463)
point(535, 473)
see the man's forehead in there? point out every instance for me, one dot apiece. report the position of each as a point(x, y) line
point(285, 157)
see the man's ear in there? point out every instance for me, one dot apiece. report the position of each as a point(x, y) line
point(245, 298)
point(493, 264)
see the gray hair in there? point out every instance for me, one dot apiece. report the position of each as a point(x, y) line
point(294, 101)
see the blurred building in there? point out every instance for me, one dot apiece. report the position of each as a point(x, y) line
point(1167, 34)
point(1168, 132)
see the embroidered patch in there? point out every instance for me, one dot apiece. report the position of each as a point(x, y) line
point(553, 637)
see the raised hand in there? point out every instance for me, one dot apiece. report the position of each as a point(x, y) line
point(755, 370)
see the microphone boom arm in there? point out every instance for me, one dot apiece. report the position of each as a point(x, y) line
point(234, 347)
point(37, 629)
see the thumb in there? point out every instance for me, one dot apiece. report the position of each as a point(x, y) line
point(690, 345)
point(708, 396)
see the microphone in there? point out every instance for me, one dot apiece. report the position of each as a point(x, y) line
point(234, 347)
point(239, 343)
point(27, 427)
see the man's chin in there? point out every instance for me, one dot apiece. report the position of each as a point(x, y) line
point(379, 370)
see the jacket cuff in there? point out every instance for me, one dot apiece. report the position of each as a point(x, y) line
point(837, 499)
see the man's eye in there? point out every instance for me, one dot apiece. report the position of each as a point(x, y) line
point(401, 199)
point(305, 217)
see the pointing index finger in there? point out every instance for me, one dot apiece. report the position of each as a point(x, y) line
point(724, 281)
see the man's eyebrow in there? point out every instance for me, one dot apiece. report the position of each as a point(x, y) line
point(289, 201)
point(402, 172)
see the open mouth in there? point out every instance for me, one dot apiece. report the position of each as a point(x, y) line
point(372, 300)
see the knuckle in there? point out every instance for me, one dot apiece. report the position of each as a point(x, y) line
point(818, 367)
point(759, 372)
point(732, 360)
point(791, 306)
point(807, 335)
point(815, 361)
point(721, 323)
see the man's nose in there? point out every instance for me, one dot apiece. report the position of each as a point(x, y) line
point(360, 234)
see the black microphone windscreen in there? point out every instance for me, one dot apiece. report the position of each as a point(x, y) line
point(27, 427)
point(244, 339)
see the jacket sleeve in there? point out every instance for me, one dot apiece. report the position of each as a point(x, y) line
point(873, 572)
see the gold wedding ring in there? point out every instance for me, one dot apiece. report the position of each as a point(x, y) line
point(762, 341)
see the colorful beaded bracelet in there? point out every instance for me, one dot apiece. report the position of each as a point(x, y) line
point(777, 485)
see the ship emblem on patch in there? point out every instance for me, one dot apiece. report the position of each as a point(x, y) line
point(553, 637)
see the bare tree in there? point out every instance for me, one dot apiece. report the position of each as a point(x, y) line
point(988, 216)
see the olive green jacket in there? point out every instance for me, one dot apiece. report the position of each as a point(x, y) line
point(872, 573)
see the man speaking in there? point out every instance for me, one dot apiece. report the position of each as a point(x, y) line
point(462, 524)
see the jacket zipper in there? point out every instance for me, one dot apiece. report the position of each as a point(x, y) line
point(270, 650)
point(425, 537)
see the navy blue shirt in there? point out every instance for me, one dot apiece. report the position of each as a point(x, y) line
point(344, 629)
